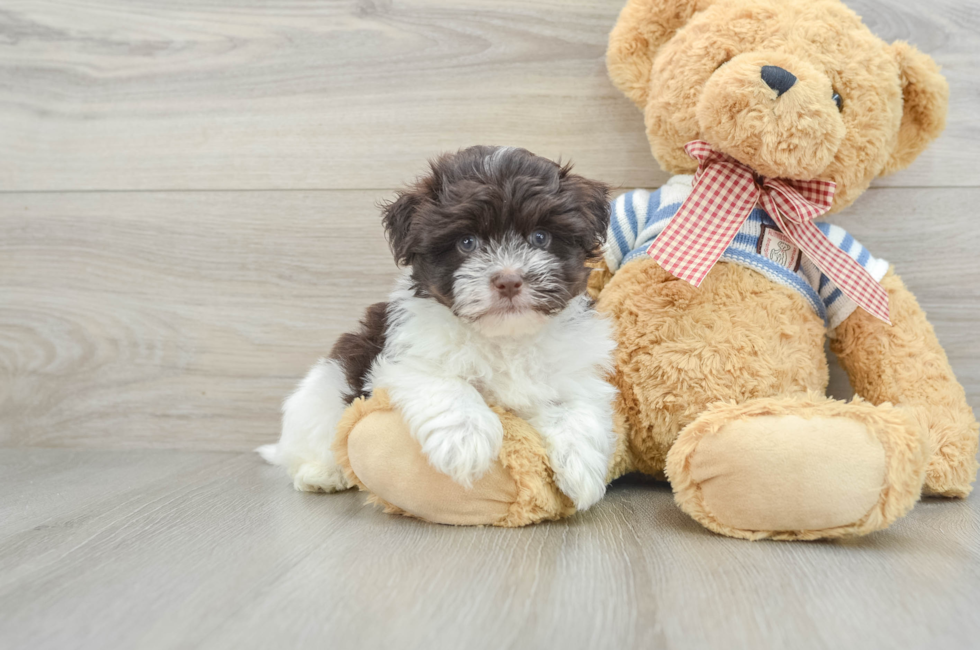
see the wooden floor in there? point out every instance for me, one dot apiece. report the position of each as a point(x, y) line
point(188, 219)
point(179, 549)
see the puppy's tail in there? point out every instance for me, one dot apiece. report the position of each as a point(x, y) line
point(269, 453)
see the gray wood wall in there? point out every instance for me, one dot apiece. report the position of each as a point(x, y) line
point(188, 188)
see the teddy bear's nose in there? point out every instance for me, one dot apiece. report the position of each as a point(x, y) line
point(778, 79)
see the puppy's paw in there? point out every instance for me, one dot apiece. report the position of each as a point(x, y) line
point(580, 473)
point(462, 443)
point(319, 477)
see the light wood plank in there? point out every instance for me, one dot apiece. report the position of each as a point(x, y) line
point(217, 551)
point(187, 317)
point(183, 319)
point(139, 94)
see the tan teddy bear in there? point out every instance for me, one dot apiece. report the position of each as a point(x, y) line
point(796, 105)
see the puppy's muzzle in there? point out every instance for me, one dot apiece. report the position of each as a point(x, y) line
point(507, 283)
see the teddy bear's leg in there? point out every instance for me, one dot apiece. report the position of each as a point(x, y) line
point(903, 363)
point(798, 467)
point(378, 454)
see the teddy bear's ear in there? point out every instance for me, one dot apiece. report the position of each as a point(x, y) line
point(643, 26)
point(925, 96)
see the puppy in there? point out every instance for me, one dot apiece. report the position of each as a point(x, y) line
point(491, 309)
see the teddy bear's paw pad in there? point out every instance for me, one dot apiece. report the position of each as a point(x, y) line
point(390, 464)
point(787, 473)
point(319, 477)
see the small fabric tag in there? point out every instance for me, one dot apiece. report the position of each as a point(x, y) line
point(777, 248)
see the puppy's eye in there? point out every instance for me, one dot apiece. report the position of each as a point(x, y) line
point(540, 239)
point(840, 102)
point(467, 243)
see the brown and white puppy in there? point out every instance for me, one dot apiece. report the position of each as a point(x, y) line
point(491, 309)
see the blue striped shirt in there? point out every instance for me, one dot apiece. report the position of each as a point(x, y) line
point(639, 216)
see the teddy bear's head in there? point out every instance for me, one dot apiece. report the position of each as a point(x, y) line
point(797, 89)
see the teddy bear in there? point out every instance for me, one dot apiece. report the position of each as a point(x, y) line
point(722, 290)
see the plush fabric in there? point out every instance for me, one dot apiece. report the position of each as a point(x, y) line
point(736, 337)
point(638, 218)
point(905, 364)
point(721, 387)
point(693, 68)
point(798, 467)
point(374, 447)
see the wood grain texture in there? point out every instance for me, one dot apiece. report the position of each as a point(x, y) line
point(174, 319)
point(182, 319)
point(211, 94)
point(155, 549)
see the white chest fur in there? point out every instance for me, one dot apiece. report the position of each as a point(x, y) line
point(517, 372)
point(441, 372)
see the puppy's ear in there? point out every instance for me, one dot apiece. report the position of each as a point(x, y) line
point(593, 199)
point(598, 211)
point(397, 217)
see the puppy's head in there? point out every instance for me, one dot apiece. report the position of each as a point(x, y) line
point(499, 235)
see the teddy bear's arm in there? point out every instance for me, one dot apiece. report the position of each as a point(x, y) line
point(903, 363)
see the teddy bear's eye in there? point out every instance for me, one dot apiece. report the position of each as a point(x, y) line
point(837, 100)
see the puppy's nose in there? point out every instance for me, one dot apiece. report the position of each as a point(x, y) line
point(778, 79)
point(508, 284)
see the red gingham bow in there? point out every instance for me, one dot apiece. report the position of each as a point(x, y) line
point(725, 192)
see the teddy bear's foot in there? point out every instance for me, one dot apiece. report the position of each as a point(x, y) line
point(378, 454)
point(952, 467)
point(798, 467)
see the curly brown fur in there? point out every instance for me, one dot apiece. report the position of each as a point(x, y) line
point(490, 192)
point(356, 351)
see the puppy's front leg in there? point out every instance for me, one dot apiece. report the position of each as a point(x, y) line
point(458, 432)
point(578, 434)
